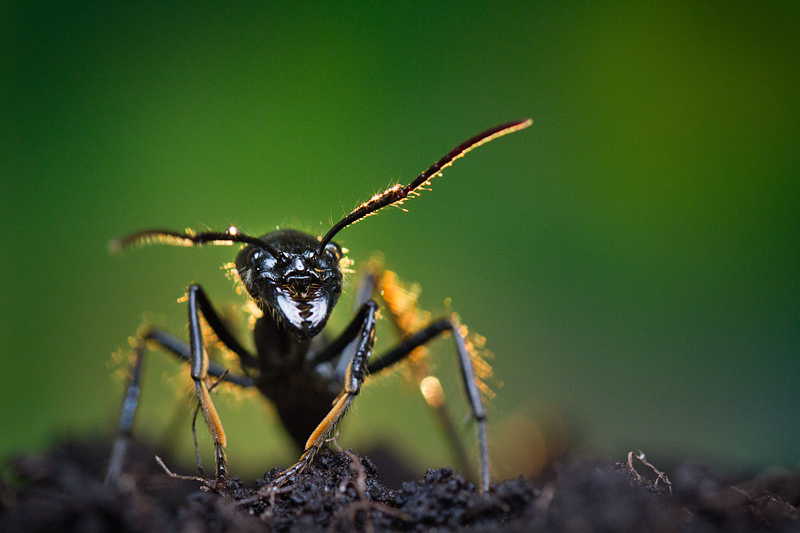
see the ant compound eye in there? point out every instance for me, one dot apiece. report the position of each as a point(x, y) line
point(255, 255)
point(334, 250)
point(330, 256)
point(260, 259)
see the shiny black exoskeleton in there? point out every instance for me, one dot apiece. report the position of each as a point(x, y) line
point(292, 278)
point(296, 285)
point(295, 279)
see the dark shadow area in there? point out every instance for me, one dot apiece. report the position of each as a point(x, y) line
point(62, 490)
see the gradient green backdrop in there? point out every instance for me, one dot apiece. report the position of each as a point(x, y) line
point(633, 258)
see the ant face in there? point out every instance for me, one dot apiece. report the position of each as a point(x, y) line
point(293, 279)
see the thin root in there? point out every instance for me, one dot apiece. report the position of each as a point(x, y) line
point(660, 476)
point(173, 475)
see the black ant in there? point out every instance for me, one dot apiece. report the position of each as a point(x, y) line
point(295, 279)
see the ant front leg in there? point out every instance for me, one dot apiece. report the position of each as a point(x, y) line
point(185, 352)
point(199, 371)
point(362, 330)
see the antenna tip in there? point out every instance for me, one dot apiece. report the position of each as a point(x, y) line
point(115, 246)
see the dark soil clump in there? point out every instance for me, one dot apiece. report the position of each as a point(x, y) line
point(63, 491)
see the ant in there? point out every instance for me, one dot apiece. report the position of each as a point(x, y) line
point(295, 279)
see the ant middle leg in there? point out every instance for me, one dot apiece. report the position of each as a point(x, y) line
point(416, 329)
point(407, 347)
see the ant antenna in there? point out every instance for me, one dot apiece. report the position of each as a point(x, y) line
point(397, 193)
point(189, 238)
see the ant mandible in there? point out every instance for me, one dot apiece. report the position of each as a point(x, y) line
point(295, 279)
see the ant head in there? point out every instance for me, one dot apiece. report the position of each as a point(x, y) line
point(293, 278)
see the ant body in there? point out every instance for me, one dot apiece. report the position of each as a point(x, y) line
point(295, 279)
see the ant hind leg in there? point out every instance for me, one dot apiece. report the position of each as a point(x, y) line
point(129, 404)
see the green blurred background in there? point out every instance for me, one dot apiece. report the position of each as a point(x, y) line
point(633, 258)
